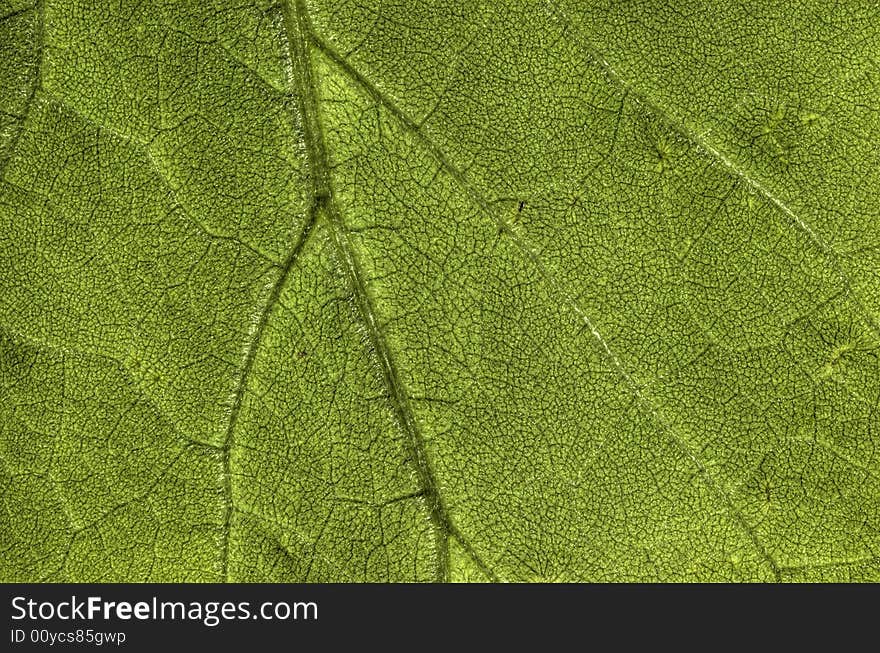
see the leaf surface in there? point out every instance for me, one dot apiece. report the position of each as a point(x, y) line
point(539, 291)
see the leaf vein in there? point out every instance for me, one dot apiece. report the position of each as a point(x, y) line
point(732, 167)
point(258, 330)
point(531, 255)
point(299, 33)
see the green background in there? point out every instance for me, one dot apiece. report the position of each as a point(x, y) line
point(344, 290)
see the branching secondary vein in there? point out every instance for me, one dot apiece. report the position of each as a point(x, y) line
point(298, 29)
point(241, 386)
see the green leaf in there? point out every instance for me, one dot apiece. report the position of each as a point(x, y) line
point(526, 291)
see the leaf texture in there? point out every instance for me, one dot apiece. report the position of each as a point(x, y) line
point(439, 291)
